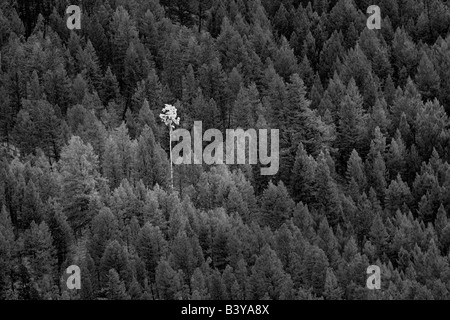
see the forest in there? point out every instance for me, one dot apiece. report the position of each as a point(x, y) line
point(364, 173)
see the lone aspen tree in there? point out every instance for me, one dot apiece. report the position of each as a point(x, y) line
point(169, 117)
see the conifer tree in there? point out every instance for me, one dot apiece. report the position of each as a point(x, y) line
point(286, 63)
point(167, 280)
point(6, 252)
point(427, 79)
point(104, 229)
point(57, 88)
point(355, 171)
point(302, 178)
point(315, 265)
point(80, 180)
point(40, 256)
point(151, 247)
point(150, 161)
point(327, 198)
point(115, 258)
point(147, 117)
point(332, 49)
point(61, 233)
point(277, 205)
point(351, 122)
point(331, 289)
point(118, 156)
point(110, 87)
point(38, 126)
point(267, 275)
point(115, 289)
point(378, 234)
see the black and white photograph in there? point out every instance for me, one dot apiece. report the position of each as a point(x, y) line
point(242, 151)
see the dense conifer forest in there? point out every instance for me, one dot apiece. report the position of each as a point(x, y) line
point(364, 176)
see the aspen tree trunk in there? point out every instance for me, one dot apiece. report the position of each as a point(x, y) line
point(170, 151)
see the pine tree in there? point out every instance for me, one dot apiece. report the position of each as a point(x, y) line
point(332, 50)
point(431, 119)
point(32, 207)
point(151, 164)
point(115, 289)
point(218, 249)
point(135, 291)
point(427, 79)
point(6, 118)
point(397, 194)
point(378, 234)
point(6, 252)
point(110, 87)
point(302, 178)
point(327, 242)
point(115, 258)
point(357, 66)
point(118, 156)
point(276, 206)
point(243, 110)
point(316, 93)
point(90, 62)
point(40, 256)
point(34, 90)
point(38, 126)
point(80, 178)
point(377, 53)
point(335, 93)
point(136, 67)
point(212, 81)
point(57, 88)
point(183, 254)
point(151, 247)
point(88, 127)
point(267, 275)
point(408, 101)
point(173, 68)
point(306, 72)
point(441, 221)
point(396, 157)
point(309, 47)
point(123, 32)
point(389, 90)
point(355, 171)
point(351, 122)
point(379, 117)
point(104, 228)
point(61, 233)
point(79, 89)
point(327, 198)
point(303, 220)
point(230, 45)
point(331, 289)
point(315, 265)
point(198, 284)
point(404, 51)
point(167, 281)
point(146, 117)
point(286, 63)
